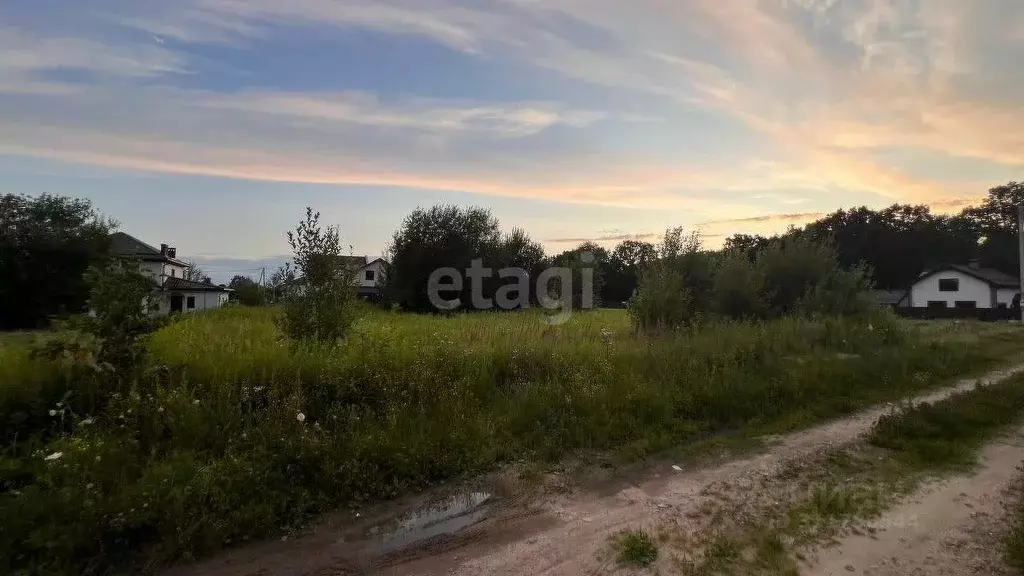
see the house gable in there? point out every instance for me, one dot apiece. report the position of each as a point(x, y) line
point(964, 286)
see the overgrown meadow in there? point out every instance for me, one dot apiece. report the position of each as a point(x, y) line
point(232, 432)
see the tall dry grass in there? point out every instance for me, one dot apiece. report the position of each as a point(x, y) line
point(236, 432)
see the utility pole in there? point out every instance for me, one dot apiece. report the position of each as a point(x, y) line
point(1020, 256)
point(263, 283)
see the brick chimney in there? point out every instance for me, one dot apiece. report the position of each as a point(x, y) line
point(163, 249)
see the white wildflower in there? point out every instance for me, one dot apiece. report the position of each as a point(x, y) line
point(54, 456)
point(87, 421)
point(53, 412)
point(300, 417)
point(196, 401)
point(160, 409)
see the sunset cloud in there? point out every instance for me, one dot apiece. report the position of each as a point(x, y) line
point(704, 109)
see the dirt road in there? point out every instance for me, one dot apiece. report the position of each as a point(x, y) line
point(569, 534)
point(948, 528)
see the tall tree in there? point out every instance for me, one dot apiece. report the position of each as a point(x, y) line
point(588, 255)
point(246, 291)
point(622, 274)
point(194, 273)
point(46, 244)
point(996, 223)
point(449, 236)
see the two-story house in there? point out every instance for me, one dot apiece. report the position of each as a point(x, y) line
point(173, 293)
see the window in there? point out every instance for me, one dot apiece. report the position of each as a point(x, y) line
point(1001, 305)
point(936, 303)
point(174, 272)
point(191, 303)
point(970, 304)
point(369, 275)
point(949, 284)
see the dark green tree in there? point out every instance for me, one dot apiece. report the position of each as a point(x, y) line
point(246, 291)
point(449, 236)
point(995, 221)
point(622, 273)
point(46, 244)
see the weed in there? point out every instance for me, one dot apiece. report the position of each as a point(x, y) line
point(771, 556)
point(947, 434)
point(722, 551)
point(635, 548)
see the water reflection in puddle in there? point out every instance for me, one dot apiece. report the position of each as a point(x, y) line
point(442, 518)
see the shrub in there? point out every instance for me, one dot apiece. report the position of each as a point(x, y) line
point(320, 304)
point(738, 288)
point(675, 290)
point(790, 276)
point(635, 548)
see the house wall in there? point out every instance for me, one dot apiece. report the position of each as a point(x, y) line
point(971, 289)
point(1005, 296)
point(205, 300)
point(173, 271)
point(378, 275)
point(161, 271)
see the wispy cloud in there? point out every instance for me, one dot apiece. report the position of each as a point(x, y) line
point(792, 217)
point(25, 58)
point(601, 239)
point(819, 85)
point(512, 120)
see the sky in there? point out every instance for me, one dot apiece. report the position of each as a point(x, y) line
point(211, 124)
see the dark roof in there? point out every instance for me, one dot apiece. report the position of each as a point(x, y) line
point(375, 261)
point(353, 261)
point(190, 286)
point(987, 275)
point(129, 246)
point(125, 245)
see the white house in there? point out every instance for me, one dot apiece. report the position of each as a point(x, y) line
point(958, 286)
point(173, 292)
point(370, 278)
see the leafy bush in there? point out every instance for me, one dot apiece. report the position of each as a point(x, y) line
point(675, 290)
point(789, 276)
point(320, 306)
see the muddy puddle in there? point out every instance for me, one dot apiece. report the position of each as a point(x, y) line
point(442, 518)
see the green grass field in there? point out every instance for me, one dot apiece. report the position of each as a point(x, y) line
point(235, 432)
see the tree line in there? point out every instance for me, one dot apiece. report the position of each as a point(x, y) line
point(48, 242)
point(902, 241)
